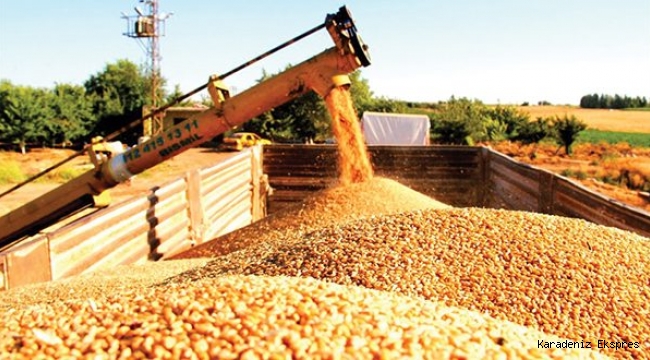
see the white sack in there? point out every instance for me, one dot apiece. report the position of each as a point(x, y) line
point(395, 129)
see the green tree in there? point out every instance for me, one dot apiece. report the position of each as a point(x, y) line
point(591, 101)
point(567, 130)
point(362, 96)
point(617, 101)
point(118, 94)
point(175, 94)
point(449, 131)
point(120, 88)
point(533, 131)
point(73, 116)
point(494, 130)
point(510, 118)
point(5, 98)
point(308, 115)
point(386, 105)
point(25, 114)
point(460, 121)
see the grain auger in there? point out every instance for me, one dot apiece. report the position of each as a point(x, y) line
point(321, 74)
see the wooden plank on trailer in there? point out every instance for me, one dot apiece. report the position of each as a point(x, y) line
point(294, 174)
point(547, 192)
point(290, 195)
point(494, 200)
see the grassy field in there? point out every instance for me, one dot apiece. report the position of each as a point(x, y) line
point(625, 121)
point(614, 137)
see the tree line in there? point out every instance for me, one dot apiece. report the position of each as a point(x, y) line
point(603, 101)
point(467, 122)
point(69, 113)
point(114, 97)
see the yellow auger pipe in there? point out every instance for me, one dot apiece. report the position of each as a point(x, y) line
point(321, 73)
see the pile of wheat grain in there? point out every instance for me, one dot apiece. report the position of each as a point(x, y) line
point(96, 284)
point(254, 317)
point(563, 276)
point(555, 275)
point(337, 205)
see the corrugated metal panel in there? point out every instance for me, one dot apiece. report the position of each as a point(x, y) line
point(177, 241)
point(226, 180)
point(235, 184)
point(225, 210)
point(241, 158)
point(226, 196)
point(149, 228)
point(173, 233)
point(233, 215)
point(153, 227)
point(133, 250)
point(114, 232)
point(170, 213)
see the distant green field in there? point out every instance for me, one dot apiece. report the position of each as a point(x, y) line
point(613, 137)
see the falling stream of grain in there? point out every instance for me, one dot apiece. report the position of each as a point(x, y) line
point(354, 162)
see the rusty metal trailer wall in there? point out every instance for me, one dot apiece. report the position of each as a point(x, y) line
point(511, 184)
point(197, 207)
point(516, 186)
point(296, 171)
point(460, 176)
point(574, 200)
point(452, 174)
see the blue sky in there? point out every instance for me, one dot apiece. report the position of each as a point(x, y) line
point(501, 51)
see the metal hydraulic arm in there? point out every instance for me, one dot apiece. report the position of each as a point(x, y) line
point(321, 74)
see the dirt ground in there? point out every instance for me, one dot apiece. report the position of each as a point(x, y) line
point(38, 160)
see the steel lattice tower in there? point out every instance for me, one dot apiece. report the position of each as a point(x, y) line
point(147, 27)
